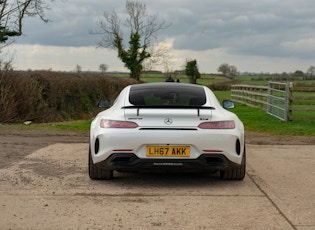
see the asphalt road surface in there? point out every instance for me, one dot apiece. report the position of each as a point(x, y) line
point(48, 187)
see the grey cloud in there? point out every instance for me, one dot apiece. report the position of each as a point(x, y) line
point(247, 27)
point(272, 28)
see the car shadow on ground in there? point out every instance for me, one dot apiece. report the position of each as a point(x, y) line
point(169, 180)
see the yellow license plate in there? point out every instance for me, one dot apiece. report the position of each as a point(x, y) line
point(168, 151)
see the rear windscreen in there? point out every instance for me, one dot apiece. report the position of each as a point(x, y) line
point(174, 94)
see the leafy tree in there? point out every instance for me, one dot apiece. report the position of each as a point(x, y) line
point(5, 34)
point(191, 70)
point(133, 57)
point(298, 73)
point(143, 28)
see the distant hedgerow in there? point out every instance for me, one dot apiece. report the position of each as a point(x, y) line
point(46, 96)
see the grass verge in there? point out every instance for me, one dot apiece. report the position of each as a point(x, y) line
point(259, 121)
point(80, 125)
point(254, 120)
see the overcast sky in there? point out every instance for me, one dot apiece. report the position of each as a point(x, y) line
point(255, 36)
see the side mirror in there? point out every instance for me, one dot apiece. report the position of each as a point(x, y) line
point(103, 104)
point(227, 104)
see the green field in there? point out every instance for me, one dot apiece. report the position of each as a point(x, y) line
point(258, 120)
point(254, 119)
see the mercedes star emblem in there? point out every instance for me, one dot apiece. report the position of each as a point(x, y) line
point(168, 121)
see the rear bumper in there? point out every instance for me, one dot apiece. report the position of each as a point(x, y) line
point(129, 162)
point(135, 142)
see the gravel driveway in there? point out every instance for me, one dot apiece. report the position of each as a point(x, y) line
point(45, 185)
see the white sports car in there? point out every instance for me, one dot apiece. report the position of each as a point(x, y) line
point(167, 127)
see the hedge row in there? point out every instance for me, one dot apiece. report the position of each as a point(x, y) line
point(44, 96)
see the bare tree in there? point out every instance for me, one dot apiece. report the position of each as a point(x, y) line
point(103, 67)
point(143, 29)
point(224, 69)
point(160, 56)
point(78, 68)
point(311, 72)
point(13, 12)
point(228, 70)
point(12, 15)
point(232, 71)
point(6, 64)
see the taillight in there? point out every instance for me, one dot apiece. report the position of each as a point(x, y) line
point(118, 124)
point(217, 125)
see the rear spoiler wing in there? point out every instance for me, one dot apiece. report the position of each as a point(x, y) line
point(138, 107)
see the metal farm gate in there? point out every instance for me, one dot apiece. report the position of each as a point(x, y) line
point(278, 100)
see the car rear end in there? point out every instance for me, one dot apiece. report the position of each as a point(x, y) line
point(168, 128)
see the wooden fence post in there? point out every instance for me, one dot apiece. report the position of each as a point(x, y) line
point(290, 101)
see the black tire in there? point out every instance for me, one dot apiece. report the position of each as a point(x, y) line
point(98, 173)
point(237, 173)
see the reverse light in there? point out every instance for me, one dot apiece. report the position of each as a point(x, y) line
point(217, 125)
point(118, 124)
point(212, 151)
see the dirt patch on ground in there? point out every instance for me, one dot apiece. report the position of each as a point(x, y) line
point(267, 139)
point(16, 144)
